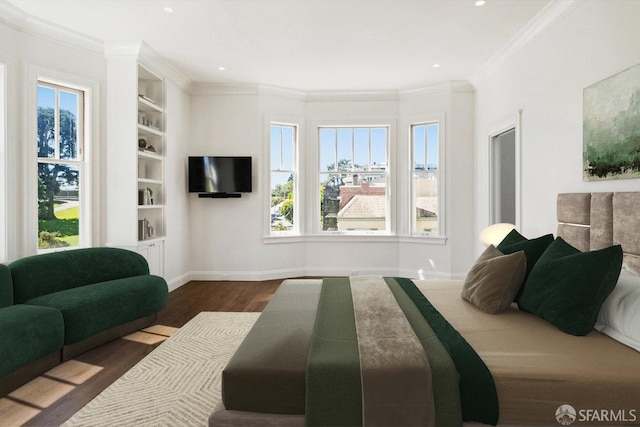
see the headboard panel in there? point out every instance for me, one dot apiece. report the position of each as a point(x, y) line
point(574, 219)
point(591, 221)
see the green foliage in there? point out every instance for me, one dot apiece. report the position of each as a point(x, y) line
point(63, 232)
point(286, 210)
point(50, 175)
point(281, 192)
point(49, 240)
point(280, 227)
point(42, 199)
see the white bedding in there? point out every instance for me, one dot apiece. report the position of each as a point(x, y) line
point(619, 316)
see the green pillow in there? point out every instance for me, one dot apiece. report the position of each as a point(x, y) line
point(567, 287)
point(533, 249)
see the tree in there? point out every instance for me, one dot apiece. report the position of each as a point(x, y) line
point(286, 209)
point(50, 175)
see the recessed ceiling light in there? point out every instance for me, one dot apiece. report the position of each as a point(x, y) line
point(480, 3)
point(221, 68)
point(436, 65)
point(168, 9)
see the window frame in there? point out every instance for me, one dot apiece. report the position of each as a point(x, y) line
point(441, 194)
point(295, 171)
point(84, 132)
point(388, 171)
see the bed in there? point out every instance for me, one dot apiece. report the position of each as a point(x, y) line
point(546, 366)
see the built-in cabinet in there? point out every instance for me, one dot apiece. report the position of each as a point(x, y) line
point(135, 152)
point(150, 145)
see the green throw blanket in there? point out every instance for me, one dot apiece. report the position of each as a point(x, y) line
point(338, 372)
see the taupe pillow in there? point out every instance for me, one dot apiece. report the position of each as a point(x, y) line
point(494, 280)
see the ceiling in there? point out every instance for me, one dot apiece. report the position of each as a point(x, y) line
point(311, 45)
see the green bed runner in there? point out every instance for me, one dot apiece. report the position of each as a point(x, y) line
point(333, 391)
point(462, 384)
point(478, 395)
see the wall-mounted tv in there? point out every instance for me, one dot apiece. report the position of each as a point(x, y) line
point(219, 174)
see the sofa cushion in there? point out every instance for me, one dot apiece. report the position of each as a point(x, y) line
point(6, 287)
point(91, 309)
point(28, 333)
point(38, 275)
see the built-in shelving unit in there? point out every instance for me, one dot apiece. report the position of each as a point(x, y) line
point(135, 152)
point(150, 155)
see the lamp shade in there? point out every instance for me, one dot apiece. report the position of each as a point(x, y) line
point(493, 234)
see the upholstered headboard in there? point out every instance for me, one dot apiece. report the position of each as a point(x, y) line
point(591, 221)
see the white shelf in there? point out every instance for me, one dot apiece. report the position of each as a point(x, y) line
point(142, 129)
point(149, 181)
point(149, 155)
point(146, 105)
point(151, 98)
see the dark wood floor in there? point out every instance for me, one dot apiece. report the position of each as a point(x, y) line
point(118, 356)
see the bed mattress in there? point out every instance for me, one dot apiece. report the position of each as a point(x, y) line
point(536, 367)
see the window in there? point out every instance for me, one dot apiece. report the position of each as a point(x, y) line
point(353, 179)
point(283, 178)
point(425, 176)
point(60, 132)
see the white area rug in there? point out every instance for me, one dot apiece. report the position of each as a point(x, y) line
point(178, 384)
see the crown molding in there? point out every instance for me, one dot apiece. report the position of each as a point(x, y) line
point(352, 96)
point(549, 15)
point(451, 87)
point(223, 89)
point(145, 55)
point(294, 94)
point(254, 89)
point(28, 24)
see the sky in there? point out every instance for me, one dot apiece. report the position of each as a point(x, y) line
point(360, 145)
point(68, 101)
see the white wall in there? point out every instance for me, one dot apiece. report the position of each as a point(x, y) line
point(177, 246)
point(28, 56)
point(228, 235)
point(545, 79)
point(29, 51)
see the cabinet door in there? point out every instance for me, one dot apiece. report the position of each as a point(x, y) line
point(154, 254)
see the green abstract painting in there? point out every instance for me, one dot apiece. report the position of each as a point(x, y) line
point(611, 127)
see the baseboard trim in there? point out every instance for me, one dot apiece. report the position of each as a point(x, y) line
point(309, 272)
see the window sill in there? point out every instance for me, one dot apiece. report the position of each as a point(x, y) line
point(355, 238)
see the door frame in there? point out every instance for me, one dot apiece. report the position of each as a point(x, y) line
point(497, 128)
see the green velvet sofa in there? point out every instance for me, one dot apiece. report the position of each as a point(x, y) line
point(61, 304)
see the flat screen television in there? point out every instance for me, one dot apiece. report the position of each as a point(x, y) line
point(219, 174)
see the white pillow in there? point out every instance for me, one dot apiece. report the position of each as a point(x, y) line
point(619, 316)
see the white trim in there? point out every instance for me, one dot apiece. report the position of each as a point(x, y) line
point(450, 87)
point(496, 128)
point(354, 238)
point(179, 281)
point(438, 118)
point(29, 24)
point(3, 162)
point(254, 89)
point(299, 184)
point(291, 273)
point(313, 165)
point(150, 59)
point(553, 12)
point(89, 168)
